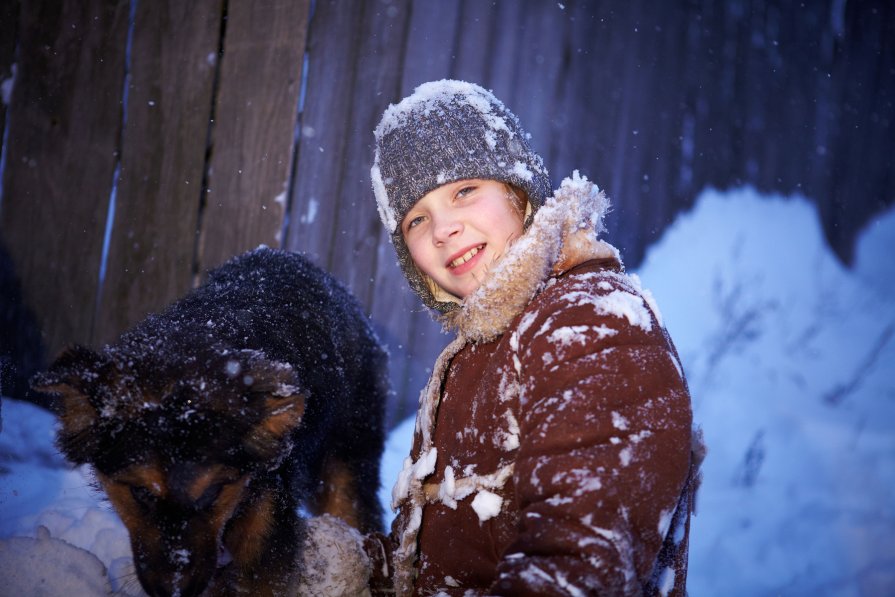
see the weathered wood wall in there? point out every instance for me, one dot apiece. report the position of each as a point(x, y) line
point(143, 118)
point(63, 127)
point(194, 131)
point(167, 102)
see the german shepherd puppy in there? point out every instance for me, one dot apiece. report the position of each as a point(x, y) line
point(208, 425)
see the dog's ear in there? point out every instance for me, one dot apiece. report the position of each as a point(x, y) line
point(270, 437)
point(72, 380)
point(280, 405)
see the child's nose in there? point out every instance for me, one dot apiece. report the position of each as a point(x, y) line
point(445, 229)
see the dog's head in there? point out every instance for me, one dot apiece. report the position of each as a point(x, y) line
point(175, 445)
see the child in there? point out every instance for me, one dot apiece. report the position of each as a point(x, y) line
point(552, 453)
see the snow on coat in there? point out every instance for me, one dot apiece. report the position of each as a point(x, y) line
point(552, 453)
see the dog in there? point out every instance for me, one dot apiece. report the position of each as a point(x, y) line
point(210, 424)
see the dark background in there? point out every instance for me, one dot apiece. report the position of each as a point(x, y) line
point(146, 141)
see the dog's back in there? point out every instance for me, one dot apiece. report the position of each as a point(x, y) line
point(208, 424)
point(281, 304)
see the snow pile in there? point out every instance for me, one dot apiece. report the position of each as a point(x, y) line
point(789, 358)
point(29, 566)
point(873, 262)
point(42, 496)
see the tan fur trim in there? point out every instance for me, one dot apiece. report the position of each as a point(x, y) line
point(581, 246)
point(411, 507)
point(431, 395)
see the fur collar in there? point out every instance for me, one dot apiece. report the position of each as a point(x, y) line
point(562, 235)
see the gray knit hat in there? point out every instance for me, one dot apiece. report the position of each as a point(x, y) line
point(444, 132)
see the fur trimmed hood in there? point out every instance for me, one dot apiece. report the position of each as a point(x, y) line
point(562, 235)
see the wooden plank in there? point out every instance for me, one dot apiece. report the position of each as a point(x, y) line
point(333, 39)
point(349, 86)
point(539, 63)
point(357, 228)
point(474, 45)
point(403, 324)
point(333, 136)
point(505, 65)
point(151, 250)
point(578, 133)
point(614, 48)
point(864, 160)
point(657, 124)
point(800, 64)
point(430, 43)
point(64, 122)
point(253, 133)
point(692, 105)
point(363, 256)
point(9, 24)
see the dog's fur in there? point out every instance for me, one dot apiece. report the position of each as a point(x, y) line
point(210, 424)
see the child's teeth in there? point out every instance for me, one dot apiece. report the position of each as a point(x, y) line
point(465, 257)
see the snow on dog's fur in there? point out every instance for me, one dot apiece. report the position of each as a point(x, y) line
point(210, 424)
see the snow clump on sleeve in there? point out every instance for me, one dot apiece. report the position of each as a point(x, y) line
point(420, 469)
point(648, 297)
point(486, 505)
point(619, 303)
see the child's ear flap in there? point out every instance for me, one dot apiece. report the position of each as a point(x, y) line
point(280, 406)
point(71, 380)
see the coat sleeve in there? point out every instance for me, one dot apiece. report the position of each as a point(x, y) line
point(605, 435)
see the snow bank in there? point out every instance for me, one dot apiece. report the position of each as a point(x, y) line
point(789, 359)
point(31, 566)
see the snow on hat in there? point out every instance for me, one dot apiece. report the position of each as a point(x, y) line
point(444, 132)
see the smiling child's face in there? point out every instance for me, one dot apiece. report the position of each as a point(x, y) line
point(457, 231)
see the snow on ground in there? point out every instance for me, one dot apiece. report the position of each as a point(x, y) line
point(790, 361)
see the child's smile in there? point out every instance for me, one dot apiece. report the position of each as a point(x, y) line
point(456, 232)
point(466, 261)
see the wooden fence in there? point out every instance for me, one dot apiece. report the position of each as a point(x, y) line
point(148, 141)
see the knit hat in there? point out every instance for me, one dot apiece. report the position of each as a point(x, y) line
point(444, 132)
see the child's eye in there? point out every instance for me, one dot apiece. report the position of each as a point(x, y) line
point(465, 191)
point(414, 222)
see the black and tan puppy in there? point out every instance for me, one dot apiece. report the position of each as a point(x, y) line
point(208, 425)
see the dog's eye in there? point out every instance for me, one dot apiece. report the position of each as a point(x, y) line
point(143, 496)
point(207, 499)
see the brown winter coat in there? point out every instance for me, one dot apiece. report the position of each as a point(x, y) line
point(553, 447)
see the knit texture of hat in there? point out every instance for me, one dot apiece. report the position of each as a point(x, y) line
point(444, 132)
